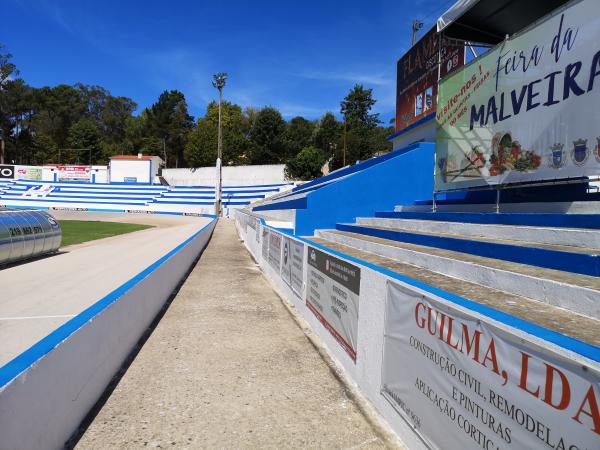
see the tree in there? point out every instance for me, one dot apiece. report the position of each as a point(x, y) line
point(306, 165)
point(356, 108)
point(168, 119)
point(85, 135)
point(266, 135)
point(298, 135)
point(328, 134)
point(360, 128)
point(44, 149)
point(201, 147)
point(7, 68)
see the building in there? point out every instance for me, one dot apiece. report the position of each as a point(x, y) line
point(134, 169)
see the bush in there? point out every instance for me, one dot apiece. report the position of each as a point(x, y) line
point(306, 165)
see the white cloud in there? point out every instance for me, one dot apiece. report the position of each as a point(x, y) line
point(375, 79)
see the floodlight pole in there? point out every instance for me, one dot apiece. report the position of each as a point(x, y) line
point(416, 26)
point(219, 83)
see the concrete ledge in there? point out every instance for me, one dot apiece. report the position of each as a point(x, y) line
point(578, 299)
point(47, 390)
point(540, 235)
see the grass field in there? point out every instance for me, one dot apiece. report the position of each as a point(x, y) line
point(78, 231)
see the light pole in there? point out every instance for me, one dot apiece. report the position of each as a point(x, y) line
point(219, 83)
point(416, 26)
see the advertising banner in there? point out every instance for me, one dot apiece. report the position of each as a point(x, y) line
point(28, 173)
point(332, 293)
point(7, 172)
point(297, 269)
point(265, 243)
point(73, 173)
point(464, 383)
point(286, 262)
point(275, 250)
point(527, 110)
point(417, 77)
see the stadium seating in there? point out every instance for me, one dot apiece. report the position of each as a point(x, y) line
point(550, 258)
point(153, 198)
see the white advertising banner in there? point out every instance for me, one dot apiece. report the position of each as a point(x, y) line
point(275, 250)
point(528, 109)
point(286, 262)
point(332, 294)
point(74, 173)
point(463, 383)
point(297, 269)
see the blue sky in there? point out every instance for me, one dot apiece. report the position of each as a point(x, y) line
point(301, 57)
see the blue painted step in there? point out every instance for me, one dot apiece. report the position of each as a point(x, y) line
point(518, 219)
point(582, 263)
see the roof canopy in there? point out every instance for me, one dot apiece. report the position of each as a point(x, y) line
point(489, 21)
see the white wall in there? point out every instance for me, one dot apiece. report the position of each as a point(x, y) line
point(232, 175)
point(424, 132)
point(123, 168)
point(43, 406)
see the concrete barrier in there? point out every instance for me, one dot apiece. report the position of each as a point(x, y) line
point(48, 390)
point(578, 360)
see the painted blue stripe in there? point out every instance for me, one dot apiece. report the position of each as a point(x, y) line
point(523, 219)
point(575, 345)
point(19, 364)
point(582, 263)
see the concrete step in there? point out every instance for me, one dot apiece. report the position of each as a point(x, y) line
point(557, 220)
point(573, 237)
point(575, 292)
point(548, 316)
point(563, 258)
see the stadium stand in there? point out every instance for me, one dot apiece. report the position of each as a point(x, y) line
point(152, 198)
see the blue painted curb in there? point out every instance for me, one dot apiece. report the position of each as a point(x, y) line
point(582, 263)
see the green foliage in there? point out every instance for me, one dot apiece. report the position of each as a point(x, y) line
point(168, 119)
point(78, 231)
point(328, 134)
point(201, 147)
point(356, 108)
point(266, 135)
point(306, 165)
point(84, 135)
point(298, 135)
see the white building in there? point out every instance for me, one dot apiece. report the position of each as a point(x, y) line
point(134, 169)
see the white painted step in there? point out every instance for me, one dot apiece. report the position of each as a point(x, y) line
point(574, 237)
point(568, 295)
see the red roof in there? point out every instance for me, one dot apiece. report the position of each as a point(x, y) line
point(133, 157)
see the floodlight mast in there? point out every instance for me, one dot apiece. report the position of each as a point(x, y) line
point(219, 83)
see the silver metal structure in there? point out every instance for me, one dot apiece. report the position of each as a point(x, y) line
point(26, 234)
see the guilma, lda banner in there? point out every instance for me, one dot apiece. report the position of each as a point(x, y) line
point(527, 110)
point(463, 383)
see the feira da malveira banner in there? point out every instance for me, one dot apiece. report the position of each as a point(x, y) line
point(462, 382)
point(528, 109)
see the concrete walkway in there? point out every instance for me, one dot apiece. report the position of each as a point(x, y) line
point(228, 367)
